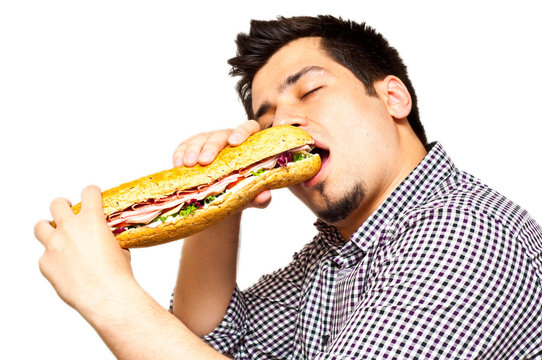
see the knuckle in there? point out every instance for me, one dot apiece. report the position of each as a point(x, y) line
point(216, 142)
point(53, 246)
point(220, 134)
point(57, 202)
point(191, 140)
point(242, 127)
point(201, 137)
point(193, 147)
point(181, 147)
point(179, 151)
point(194, 137)
point(253, 122)
point(210, 147)
point(220, 138)
point(250, 126)
point(253, 125)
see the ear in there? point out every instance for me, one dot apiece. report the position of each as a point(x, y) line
point(395, 96)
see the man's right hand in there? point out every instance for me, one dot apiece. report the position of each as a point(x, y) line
point(207, 273)
point(203, 148)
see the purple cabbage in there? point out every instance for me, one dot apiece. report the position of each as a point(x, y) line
point(285, 158)
point(194, 202)
point(119, 230)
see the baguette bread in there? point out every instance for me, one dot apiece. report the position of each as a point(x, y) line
point(260, 146)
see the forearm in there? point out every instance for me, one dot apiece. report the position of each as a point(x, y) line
point(207, 276)
point(91, 273)
point(135, 327)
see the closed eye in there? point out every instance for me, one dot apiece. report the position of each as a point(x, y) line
point(311, 92)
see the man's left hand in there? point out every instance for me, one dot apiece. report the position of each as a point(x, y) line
point(82, 258)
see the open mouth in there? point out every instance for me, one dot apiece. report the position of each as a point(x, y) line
point(324, 156)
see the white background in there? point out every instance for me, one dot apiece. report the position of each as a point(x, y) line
point(101, 92)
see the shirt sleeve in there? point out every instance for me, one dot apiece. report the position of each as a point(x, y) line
point(260, 321)
point(231, 330)
point(449, 284)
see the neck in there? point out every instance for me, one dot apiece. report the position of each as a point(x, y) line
point(410, 153)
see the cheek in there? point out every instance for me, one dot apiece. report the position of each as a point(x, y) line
point(339, 110)
point(364, 124)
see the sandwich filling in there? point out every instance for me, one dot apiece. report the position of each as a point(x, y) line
point(153, 212)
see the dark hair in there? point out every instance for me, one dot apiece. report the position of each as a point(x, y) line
point(358, 47)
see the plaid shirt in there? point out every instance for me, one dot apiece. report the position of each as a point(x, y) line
point(445, 268)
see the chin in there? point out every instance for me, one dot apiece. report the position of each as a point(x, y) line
point(327, 208)
point(340, 209)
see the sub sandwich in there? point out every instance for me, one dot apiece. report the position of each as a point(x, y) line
point(182, 201)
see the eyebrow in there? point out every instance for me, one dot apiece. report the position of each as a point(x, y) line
point(292, 79)
point(288, 82)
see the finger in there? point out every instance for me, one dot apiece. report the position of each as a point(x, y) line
point(215, 142)
point(60, 209)
point(43, 231)
point(190, 143)
point(262, 200)
point(178, 155)
point(193, 149)
point(91, 199)
point(243, 131)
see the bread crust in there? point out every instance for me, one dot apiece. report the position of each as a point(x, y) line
point(259, 146)
point(289, 175)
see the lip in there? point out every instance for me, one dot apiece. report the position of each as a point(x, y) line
point(325, 161)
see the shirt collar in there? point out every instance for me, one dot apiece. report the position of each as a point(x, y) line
point(414, 190)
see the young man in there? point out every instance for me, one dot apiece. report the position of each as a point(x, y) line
point(414, 258)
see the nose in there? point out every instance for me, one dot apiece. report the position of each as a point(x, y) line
point(288, 115)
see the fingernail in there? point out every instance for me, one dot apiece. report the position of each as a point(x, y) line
point(206, 157)
point(235, 138)
point(191, 158)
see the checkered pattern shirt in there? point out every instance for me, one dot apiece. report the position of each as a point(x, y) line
point(445, 268)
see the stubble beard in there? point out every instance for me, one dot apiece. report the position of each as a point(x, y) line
point(340, 209)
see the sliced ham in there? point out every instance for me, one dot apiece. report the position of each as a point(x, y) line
point(140, 218)
point(266, 164)
point(141, 215)
point(146, 211)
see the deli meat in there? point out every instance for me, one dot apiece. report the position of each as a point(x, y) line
point(146, 211)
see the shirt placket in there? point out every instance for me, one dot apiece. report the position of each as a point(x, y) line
point(347, 287)
point(315, 334)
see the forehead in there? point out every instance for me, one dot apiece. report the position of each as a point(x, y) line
point(289, 59)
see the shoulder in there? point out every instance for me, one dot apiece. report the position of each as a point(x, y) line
point(461, 215)
point(463, 198)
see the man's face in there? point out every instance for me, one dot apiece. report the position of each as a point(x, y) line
point(301, 85)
